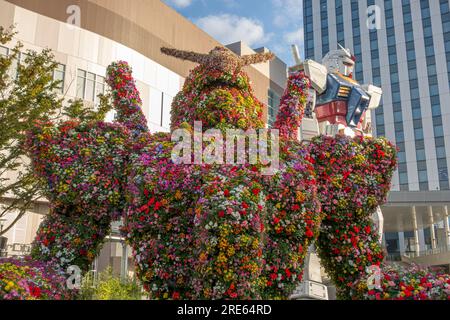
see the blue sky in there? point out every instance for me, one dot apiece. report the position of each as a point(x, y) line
point(275, 24)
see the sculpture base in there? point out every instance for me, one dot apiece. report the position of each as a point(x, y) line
point(310, 290)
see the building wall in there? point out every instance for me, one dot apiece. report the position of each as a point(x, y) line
point(144, 26)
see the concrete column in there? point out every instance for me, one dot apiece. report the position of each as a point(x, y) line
point(447, 228)
point(432, 231)
point(124, 266)
point(416, 231)
point(401, 242)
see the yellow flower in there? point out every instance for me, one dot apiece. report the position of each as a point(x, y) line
point(300, 197)
point(223, 244)
point(255, 244)
point(290, 228)
point(178, 195)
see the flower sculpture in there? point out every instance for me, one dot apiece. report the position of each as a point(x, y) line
point(209, 231)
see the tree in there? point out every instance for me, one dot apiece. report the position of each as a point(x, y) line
point(28, 93)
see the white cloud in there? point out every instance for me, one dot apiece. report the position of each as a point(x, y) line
point(228, 28)
point(294, 37)
point(180, 3)
point(287, 12)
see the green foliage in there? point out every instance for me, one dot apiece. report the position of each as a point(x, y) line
point(76, 110)
point(109, 287)
point(27, 93)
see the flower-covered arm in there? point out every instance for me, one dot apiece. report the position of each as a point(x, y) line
point(127, 101)
point(292, 106)
point(354, 177)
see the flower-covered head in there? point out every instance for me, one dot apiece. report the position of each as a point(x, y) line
point(218, 92)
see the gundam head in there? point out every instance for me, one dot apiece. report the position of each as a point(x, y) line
point(340, 61)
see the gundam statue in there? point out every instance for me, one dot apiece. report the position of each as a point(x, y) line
point(337, 104)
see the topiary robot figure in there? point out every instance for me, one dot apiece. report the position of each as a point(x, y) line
point(207, 230)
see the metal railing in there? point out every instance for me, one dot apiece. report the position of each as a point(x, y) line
point(428, 252)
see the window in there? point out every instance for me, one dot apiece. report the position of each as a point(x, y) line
point(59, 75)
point(273, 103)
point(81, 83)
point(89, 85)
point(438, 131)
point(416, 114)
point(403, 177)
point(418, 134)
point(423, 186)
point(420, 155)
point(440, 152)
point(4, 51)
point(398, 116)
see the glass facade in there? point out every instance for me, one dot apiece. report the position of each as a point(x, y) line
point(340, 23)
point(405, 15)
point(359, 76)
point(308, 29)
point(324, 27)
point(416, 110)
point(395, 93)
point(436, 107)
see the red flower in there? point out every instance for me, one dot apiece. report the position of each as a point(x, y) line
point(309, 233)
point(226, 193)
point(276, 220)
point(367, 229)
point(256, 191)
point(295, 207)
point(158, 205)
point(288, 273)
point(35, 292)
point(273, 276)
point(176, 295)
point(221, 214)
point(356, 229)
point(380, 154)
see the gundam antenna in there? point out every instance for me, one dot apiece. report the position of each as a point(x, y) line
point(296, 54)
point(346, 50)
